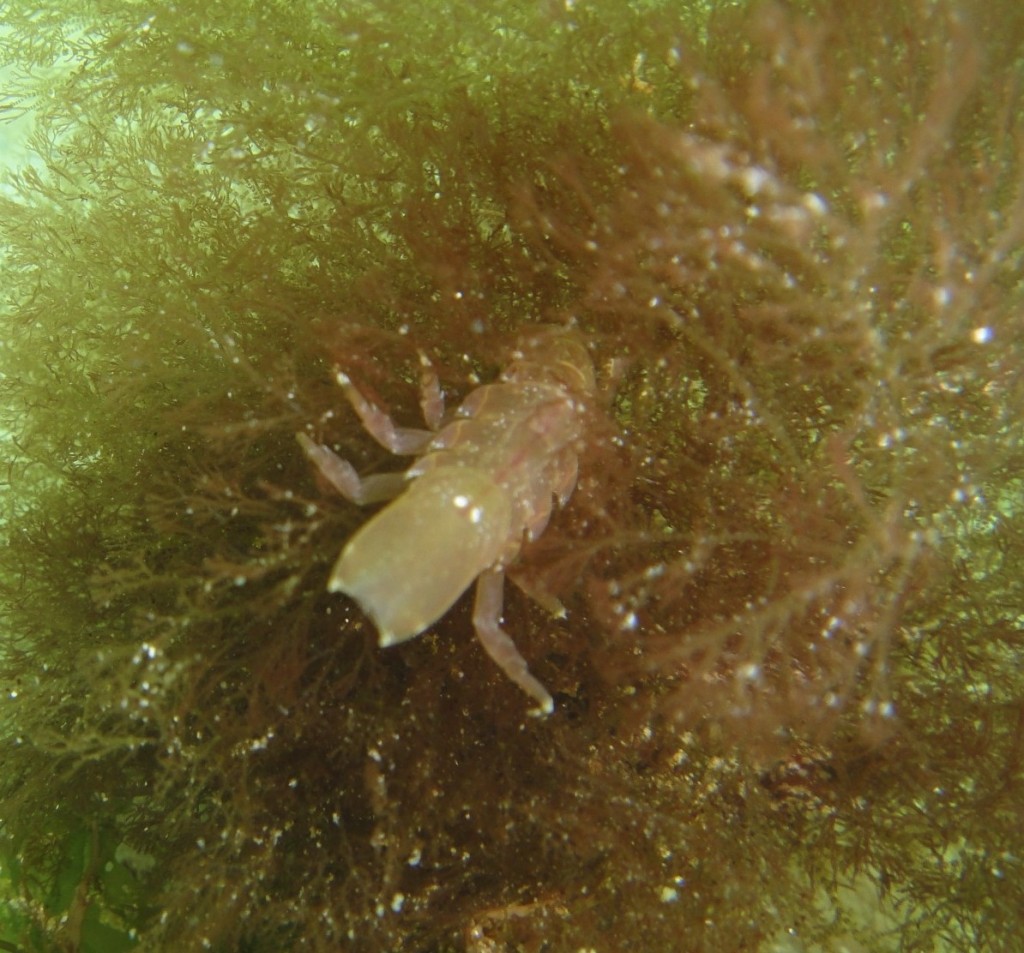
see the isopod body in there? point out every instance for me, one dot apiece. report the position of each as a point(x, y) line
point(483, 481)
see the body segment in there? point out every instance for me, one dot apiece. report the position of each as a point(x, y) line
point(408, 564)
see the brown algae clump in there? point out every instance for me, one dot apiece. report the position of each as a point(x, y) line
point(789, 239)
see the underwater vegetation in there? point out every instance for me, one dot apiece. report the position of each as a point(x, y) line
point(788, 692)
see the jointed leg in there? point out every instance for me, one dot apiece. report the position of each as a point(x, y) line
point(343, 477)
point(431, 395)
point(405, 441)
point(487, 622)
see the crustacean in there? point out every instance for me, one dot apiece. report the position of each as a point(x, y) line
point(484, 479)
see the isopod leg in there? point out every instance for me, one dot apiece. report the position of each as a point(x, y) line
point(343, 477)
point(487, 622)
point(405, 441)
point(431, 395)
point(541, 596)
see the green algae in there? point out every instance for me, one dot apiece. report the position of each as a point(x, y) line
point(788, 687)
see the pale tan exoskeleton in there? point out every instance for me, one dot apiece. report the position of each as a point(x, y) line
point(484, 478)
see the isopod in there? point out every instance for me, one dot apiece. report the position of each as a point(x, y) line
point(484, 479)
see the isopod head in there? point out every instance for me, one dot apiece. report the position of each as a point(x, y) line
point(410, 562)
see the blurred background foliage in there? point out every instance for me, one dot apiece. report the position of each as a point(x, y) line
point(789, 694)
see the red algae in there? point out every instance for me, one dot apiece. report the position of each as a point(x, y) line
point(789, 710)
